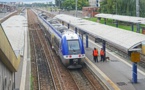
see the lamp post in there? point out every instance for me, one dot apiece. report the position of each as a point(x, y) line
point(76, 8)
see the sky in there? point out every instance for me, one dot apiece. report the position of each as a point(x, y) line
point(27, 1)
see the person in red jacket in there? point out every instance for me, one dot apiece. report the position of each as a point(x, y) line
point(95, 54)
point(102, 53)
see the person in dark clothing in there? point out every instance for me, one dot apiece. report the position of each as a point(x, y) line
point(102, 55)
point(95, 55)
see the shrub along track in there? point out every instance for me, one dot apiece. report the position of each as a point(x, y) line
point(51, 74)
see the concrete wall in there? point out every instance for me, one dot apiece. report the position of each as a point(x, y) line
point(6, 78)
point(89, 11)
point(7, 54)
point(94, 3)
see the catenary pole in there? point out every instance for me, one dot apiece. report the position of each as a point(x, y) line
point(76, 8)
point(137, 15)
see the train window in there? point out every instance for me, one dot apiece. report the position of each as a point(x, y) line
point(74, 47)
point(13, 86)
point(5, 82)
point(56, 41)
point(0, 83)
point(9, 87)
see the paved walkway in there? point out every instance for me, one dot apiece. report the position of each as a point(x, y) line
point(117, 69)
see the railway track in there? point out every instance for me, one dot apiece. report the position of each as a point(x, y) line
point(44, 79)
point(50, 74)
point(81, 81)
point(86, 80)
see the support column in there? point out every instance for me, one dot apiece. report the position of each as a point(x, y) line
point(75, 30)
point(138, 28)
point(135, 57)
point(104, 47)
point(98, 20)
point(68, 26)
point(87, 44)
point(134, 73)
point(82, 36)
point(105, 21)
point(62, 23)
point(132, 26)
point(116, 23)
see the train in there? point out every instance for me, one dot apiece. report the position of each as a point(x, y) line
point(66, 43)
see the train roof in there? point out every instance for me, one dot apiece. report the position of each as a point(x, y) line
point(70, 35)
point(61, 28)
point(53, 21)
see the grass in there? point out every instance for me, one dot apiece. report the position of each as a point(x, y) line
point(122, 25)
point(31, 78)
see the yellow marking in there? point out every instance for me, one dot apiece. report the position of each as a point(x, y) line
point(135, 57)
point(103, 75)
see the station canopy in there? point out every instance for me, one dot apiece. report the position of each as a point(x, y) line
point(14, 28)
point(119, 38)
point(130, 19)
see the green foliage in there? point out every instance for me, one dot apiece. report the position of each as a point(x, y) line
point(122, 25)
point(71, 4)
point(122, 7)
point(31, 82)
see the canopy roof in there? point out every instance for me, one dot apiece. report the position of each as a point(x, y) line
point(14, 29)
point(122, 18)
point(120, 38)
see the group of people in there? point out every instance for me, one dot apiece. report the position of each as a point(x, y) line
point(96, 54)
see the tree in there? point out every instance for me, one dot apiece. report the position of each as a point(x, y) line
point(122, 7)
point(70, 4)
point(58, 3)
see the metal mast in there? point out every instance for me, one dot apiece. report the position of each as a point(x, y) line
point(137, 15)
point(76, 8)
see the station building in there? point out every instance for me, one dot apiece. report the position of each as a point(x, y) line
point(94, 3)
point(4, 7)
point(11, 46)
point(91, 11)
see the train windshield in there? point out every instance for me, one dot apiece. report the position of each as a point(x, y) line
point(74, 47)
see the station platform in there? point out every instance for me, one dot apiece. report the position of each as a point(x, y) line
point(116, 73)
point(16, 30)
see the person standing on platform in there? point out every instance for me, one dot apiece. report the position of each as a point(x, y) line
point(95, 54)
point(102, 54)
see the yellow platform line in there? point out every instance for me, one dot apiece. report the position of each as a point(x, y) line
point(103, 75)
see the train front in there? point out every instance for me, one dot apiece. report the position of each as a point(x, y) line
point(72, 50)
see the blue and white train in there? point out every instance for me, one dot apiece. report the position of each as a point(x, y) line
point(67, 44)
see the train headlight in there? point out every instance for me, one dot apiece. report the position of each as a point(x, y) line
point(79, 55)
point(70, 56)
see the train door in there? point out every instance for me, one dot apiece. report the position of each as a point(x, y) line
point(52, 40)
